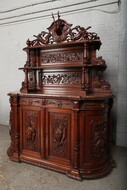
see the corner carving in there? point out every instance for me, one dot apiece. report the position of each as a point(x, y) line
point(101, 84)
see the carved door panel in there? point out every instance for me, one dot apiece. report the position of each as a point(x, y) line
point(94, 131)
point(31, 127)
point(58, 140)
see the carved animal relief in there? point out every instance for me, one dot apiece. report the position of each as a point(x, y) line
point(98, 138)
point(31, 128)
point(59, 131)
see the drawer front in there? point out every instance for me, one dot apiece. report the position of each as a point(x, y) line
point(59, 103)
point(31, 101)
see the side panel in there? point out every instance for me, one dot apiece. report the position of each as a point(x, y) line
point(94, 135)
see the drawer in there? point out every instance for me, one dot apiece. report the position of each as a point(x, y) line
point(30, 101)
point(58, 103)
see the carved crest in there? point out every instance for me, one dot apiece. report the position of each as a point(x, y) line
point(60, 31)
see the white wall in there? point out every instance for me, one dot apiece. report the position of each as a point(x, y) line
point(110, 28)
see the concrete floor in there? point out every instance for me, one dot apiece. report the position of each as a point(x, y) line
point(15, 176)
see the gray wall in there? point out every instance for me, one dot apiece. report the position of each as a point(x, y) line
point(108, 21)
point(122, 79)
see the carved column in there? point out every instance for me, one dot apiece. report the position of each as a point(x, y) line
point(83, 78)
point(74, 173)
point(13, 150)
point(87, 85)
point(25, 82)
point(86, 54)
point(28, 58)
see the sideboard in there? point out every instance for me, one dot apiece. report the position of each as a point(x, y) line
point(61, 118)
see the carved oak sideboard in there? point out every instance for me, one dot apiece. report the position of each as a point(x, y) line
point(60, 119)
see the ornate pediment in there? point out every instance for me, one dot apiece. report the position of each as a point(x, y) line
point(60, 31)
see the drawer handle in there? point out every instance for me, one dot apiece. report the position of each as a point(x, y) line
point(59, 104)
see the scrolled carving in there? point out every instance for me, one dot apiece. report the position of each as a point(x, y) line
point(59, 130)
point(98, 138)
point(80, 33)
point(98, 61)
point(101, 84)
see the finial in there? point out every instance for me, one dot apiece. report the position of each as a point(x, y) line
point(58, 15)
point(28, 42)
point(53, 17)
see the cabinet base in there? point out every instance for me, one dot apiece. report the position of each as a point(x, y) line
point(72, 173)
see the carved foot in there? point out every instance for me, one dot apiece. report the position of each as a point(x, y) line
point(113, 163)
point(74, 174)
point(13, 156)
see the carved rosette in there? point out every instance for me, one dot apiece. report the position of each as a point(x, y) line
point(31, 129)
point(98, 138)
point(59, 131)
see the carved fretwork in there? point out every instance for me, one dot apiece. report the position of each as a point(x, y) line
point(31, 121)
point(61, 57)
point(59, 132)
point(64, 79)
point(98, 138)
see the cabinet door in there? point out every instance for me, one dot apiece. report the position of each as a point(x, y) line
point(58, 140)
point(31, 128)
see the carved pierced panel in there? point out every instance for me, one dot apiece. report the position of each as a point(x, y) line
point(61, 79)
point(98, 138)
point(61, 57)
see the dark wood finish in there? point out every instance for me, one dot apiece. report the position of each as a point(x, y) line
point(60, 119)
